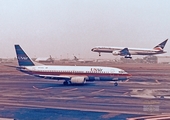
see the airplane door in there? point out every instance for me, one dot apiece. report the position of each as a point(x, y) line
point(112, 72)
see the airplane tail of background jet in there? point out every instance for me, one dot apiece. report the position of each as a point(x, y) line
point(161, 45)
point(23, 59)
point(75, 58)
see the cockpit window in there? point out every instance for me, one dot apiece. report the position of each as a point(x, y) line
point(121, 71)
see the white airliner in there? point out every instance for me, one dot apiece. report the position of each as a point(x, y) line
point(78, 60)
point(82, 60)
point(70, 74)
point(127, 52)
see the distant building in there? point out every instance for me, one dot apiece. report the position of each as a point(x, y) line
point(163, 59)
point(151, 59)
point(6, 60)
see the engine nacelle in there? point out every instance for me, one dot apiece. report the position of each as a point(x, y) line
point(116, 53)
point(78, 80)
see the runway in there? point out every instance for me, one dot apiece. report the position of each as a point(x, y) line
point(25, 97)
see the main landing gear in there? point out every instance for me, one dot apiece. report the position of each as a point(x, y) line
point(115, 84)
point(99, 54)
point(128, 56)
point(66, 83)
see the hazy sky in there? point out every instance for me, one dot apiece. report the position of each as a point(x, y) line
point(67, 27)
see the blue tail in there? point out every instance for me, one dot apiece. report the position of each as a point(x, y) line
point(161, 45)
point(23, 59)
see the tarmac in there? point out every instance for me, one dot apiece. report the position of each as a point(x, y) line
point(24, 97)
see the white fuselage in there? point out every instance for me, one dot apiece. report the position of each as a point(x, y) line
point(66, 72)
point(133, 51)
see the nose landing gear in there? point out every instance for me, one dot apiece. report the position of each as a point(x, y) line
point(115, 84)
point(66, 83)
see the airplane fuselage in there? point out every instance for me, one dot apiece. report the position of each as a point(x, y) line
point(90, 73)
point(132, 51)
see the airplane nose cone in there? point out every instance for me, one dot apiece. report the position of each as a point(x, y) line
point(92, 49)
point(129, 75)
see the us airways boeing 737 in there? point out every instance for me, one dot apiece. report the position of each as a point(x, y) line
point(127, 52)
point(70, 74)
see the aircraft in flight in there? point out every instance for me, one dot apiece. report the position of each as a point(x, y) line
point(127, 52)
point(70, 74)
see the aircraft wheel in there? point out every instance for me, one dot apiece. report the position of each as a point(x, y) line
point(116, 84)
point(162, 97)
point(66, 82)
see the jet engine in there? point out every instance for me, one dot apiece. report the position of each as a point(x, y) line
point(116, 53)
point(78, 80)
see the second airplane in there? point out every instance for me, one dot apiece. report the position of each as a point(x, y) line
point(127, 52)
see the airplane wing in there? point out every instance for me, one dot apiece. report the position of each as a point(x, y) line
point(57, 77)
point(125, 52)
point(67, 79)
point(53, 77)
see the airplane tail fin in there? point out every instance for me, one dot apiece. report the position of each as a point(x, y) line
point(161, 45)
point(75, 58)
point(23, 59)
point(51, 59)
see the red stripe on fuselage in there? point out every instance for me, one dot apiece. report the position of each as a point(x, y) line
point(76, 73)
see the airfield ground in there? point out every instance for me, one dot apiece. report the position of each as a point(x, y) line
point(25, 97)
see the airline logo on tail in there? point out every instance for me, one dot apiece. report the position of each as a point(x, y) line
point(23, 59)
point(161, 46)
